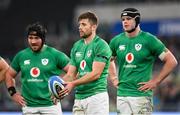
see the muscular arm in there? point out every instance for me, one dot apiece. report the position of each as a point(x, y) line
point(65, 70)
point(96, 72)
point(97, 69)
point(10, 83)
point(10, 75)
point(112, 69)
point(3, 68)
point(71, 73)
point(112, 72)
point(169, 65)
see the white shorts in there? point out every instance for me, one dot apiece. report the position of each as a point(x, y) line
point(134, 105)
point(49, 110)
point(95, 105)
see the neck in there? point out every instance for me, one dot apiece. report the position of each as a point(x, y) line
point(90, 38)
point(134, 33)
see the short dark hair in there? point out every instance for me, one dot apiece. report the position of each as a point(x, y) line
point(89, 15)
point(38, 28)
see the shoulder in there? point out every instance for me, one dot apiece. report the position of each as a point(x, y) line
point(117, 37)
point(78, 44)
point(148, 35)
point(23, 52)
point(99, 40)
point(53, 50)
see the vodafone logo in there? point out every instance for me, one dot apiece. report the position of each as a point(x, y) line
point(35, 72)
point(83, 64)
point(129, 57)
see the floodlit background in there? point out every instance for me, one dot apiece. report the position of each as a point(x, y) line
point(159, 17)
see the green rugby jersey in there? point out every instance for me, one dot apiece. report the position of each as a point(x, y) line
point(135, 57)
point(36, 68)
point(82, 57)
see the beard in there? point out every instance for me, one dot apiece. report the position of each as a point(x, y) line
point(36, 48)
point(86, 35)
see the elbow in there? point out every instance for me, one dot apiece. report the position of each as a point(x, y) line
point(175, 63)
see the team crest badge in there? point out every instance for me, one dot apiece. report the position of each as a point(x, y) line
point(89, 53)
point(44, 61)
point(35, 72)
point(129, 57)
point(138, 47)
point(83, 64)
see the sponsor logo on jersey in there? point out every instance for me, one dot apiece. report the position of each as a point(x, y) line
point(26, 62)
point(35, 72)
point(44, 61)
point(129, 57)
point(78, 54)
point(122, 47)
point(89, 53)
point(83, 64)
point(138, 47)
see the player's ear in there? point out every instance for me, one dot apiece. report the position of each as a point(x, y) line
point(94, 27)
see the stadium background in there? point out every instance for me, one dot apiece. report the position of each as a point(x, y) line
point(159, 17)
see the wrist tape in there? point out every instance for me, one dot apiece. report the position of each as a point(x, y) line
point(11, 90)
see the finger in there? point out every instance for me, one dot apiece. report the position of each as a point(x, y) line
point(142, 83)
point(142, 88)
point(64, 91)
point(23, 102)
point(62, 97)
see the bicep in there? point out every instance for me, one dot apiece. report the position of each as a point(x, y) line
point(98, 67)
point(168, 56)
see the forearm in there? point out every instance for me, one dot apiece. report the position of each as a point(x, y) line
point(89, 77)
point(69, 78)
point(10, 81)
point(10, 77)
point(166, 70)
point(112, 71)
point(97, 69)
point(170, 64)
point(2, 75)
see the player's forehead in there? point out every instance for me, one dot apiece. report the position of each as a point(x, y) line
point(126, 17)
point(84, 21)
point(33, 34)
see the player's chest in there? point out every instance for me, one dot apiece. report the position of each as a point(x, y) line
point(129, 50)
point(84, 53)
point(43, 62)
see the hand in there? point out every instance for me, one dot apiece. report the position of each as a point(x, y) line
point(150, 85)
point(68, 87)
point(19, 99)
point(55, 100)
